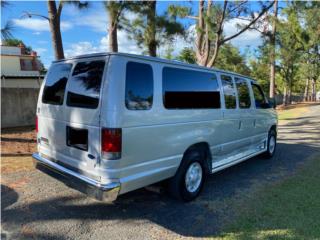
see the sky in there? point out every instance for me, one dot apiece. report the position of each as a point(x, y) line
point(85, 31)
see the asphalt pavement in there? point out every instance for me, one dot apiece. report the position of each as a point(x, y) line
point(35, 206)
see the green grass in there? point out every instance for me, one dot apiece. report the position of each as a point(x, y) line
point(291, 113)
point(286, 210)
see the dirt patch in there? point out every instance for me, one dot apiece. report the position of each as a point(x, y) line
point(18, 141)
point(16, 164)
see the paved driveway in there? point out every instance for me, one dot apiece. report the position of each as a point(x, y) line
point(36, 206)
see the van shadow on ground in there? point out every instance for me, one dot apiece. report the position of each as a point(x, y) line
point(200, 218)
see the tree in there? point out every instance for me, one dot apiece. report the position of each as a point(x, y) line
point(272, 50)
point(6, 31)
point(210, 23)
point(115, 10)
point(150, 30)
point(17, 43)
point(291, 40)
point(187, 55)
point(54, 16)
point(230, 59)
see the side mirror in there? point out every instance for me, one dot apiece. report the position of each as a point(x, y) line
point(272, 102)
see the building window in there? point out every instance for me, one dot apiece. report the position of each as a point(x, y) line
point(29, 65)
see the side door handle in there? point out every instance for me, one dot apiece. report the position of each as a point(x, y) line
point(254, 122)
point(240, 124)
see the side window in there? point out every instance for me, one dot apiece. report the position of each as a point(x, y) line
point(139, 86)
point(259, 97)
point(84, 84)
point(189, 89)
point(243, 93)
point(55, 85)
point(229, 92)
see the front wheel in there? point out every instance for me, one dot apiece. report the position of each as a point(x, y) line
point(272, 144)
point(186, 185)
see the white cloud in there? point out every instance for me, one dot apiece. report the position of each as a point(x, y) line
point(36, 33)
point(84, 47)
point(250, 38)
point(39, 25)
point(40, 51)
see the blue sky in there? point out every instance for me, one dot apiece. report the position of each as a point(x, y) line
point(85, 31)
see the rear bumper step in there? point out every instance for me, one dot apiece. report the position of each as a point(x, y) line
point(91, 187)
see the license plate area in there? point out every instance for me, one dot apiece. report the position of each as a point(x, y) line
point(77, 138)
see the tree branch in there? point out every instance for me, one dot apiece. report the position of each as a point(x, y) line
point(249, 25)
point(29, 15)
point(59, 10)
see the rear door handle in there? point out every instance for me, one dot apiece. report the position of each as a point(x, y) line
point(240, 123)
point(254, 122)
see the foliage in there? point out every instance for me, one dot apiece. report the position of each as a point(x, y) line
point(187, 55)
point(149, 29)
point(16, 43)
point(230, 59)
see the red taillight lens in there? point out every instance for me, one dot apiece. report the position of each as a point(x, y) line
point(111, 141)
point(37, 124)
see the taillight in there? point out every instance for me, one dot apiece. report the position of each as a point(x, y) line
point(111, 141)
point(37, 124)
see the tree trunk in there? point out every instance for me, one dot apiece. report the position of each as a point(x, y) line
point(313, 90)
point(272, 53)
point(54, 22)
point(306, 91)
point(113, 32)
point(285, 96)
point(151, 29)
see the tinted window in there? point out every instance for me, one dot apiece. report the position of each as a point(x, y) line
point(260, 99)
point(243, 93)
point(84, 84)
point(229, 92)
point(187, 89)
point(57, 77)
point(139, 86)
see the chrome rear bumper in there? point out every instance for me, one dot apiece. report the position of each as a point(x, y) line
point(89, 186)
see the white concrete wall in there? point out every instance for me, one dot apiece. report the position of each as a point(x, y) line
point(21, 83)
point(10, 50)
point(10, 65)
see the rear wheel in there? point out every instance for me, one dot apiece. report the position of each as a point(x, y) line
point(187, 184)
point(272, 144)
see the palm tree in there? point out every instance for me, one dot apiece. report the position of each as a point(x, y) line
point(54, 19)
point(6, 31)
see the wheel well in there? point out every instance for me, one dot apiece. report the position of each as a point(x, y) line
point(273, 127)
point(204, 148)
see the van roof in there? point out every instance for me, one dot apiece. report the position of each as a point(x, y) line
point(153, 59)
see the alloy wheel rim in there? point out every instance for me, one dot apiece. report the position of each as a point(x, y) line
point(193, 177)
point(272, 144)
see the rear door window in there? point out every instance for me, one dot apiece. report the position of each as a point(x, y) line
point(55, 85)
point(229, 92)
point(84, 84)
point(243, 93)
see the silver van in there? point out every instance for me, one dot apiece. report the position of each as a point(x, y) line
point(111, 123)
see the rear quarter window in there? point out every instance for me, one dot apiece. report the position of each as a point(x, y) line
point(84, 84)
point(55, 85)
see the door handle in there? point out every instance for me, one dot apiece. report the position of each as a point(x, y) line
point(254, 122)
point(240, 123)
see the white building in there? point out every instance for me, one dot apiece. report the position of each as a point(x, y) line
point(19, 69)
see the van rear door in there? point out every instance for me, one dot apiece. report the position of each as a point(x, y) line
point(69, 113)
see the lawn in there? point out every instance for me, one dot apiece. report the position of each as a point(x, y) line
point(289, 209)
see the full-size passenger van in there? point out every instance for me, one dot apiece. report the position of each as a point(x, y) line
point(111, 123)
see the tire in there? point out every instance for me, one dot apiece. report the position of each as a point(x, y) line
point(191, 168)
point(272, 144)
